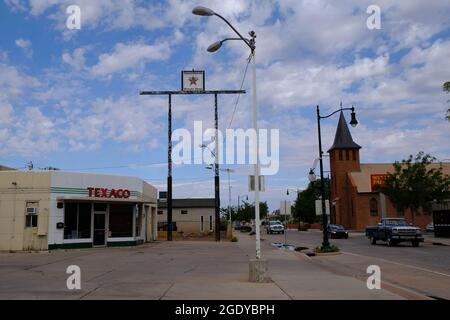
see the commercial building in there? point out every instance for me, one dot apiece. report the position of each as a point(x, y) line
point(54, 209)
point(194, 217)
point(355, 201)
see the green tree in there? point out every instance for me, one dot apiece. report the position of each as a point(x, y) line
point(305, 205)
point(446, 88)
point(413, 185)
point(246, 211)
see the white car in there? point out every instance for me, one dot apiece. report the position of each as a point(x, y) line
point(430, 227)
point(274, 227)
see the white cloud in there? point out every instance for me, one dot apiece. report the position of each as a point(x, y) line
point(125, 56)
point(26, 46)
point(13, 81)
point(76, 60)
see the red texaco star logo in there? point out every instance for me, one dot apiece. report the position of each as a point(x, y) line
point(193, 81)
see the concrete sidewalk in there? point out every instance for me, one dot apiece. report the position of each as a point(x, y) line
point(179, 270)
point(300, 279)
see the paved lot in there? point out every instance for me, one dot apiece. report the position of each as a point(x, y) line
point(181, 270)
point(425, 270)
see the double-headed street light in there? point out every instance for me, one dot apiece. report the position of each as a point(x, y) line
point(251, 43)
point(311, 176)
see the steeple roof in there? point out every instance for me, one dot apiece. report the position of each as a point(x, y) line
point(343, 138)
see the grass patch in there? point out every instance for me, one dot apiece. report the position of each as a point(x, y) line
point(329, 249)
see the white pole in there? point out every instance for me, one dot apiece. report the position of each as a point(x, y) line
point(229, 199)
point(256, 167)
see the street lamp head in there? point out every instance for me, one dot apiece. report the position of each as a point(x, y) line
point(353, 122)
point(209, 167)
point(202, 11)
point(215, 46)
point(312, 176)
point(287, 192)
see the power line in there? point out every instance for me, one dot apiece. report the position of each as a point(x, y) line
point(239, 96)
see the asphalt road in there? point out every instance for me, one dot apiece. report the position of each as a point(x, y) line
point(424, 270)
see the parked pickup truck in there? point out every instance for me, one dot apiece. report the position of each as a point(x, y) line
point(274, 227)
point(394, 231)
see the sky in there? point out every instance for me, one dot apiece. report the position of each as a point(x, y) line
point(70, 98)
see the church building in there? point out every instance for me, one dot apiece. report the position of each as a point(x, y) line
point(354, 201)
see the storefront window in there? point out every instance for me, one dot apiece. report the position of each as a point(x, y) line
point(373, 204)
point(121, 220)
point(77, 221)
point(138, 222)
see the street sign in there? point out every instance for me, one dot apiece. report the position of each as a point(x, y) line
point(251, 184)
point(193, 81)
point(319, 207)
point(285, 208)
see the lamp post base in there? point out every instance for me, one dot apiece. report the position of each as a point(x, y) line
point(258, 269)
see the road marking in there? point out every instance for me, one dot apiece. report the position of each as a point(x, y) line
point(400, 264)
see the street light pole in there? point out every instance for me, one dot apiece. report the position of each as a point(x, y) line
point(258, 268)
point(228, 171)
point(353, 123)
point(325, 242)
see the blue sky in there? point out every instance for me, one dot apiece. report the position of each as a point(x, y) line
point(69, 98)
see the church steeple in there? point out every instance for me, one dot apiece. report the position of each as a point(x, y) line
point(343, 138)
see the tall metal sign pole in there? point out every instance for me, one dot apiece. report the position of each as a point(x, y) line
point(197, 84)
point(169, 175)
point(217, 173)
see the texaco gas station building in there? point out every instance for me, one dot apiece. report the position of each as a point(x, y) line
point(61, 210)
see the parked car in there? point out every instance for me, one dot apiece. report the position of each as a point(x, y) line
point(274, 227)
point(394, 231)
point(430, 227)
point(337, 231)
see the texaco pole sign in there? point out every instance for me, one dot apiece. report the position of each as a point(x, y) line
point(192, 81)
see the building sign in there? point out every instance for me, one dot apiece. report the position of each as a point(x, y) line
point(377, 181)
point(193, 81)
point(109, 193)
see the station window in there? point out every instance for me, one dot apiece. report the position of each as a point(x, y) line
point(347, 155)
point(160, 212)
point(121, 220)
point(373, 204)
point(77, 220)
point(138, 222)
point(31, 214)
point(184, 212)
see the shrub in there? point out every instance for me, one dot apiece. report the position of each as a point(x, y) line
point(329, 249)
point(234, 239)
point(246, 229)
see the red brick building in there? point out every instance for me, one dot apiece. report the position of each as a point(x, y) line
point(354, 203)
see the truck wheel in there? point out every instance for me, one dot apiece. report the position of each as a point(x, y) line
point(390, 242)
point(373, 241)
point(415, 243)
